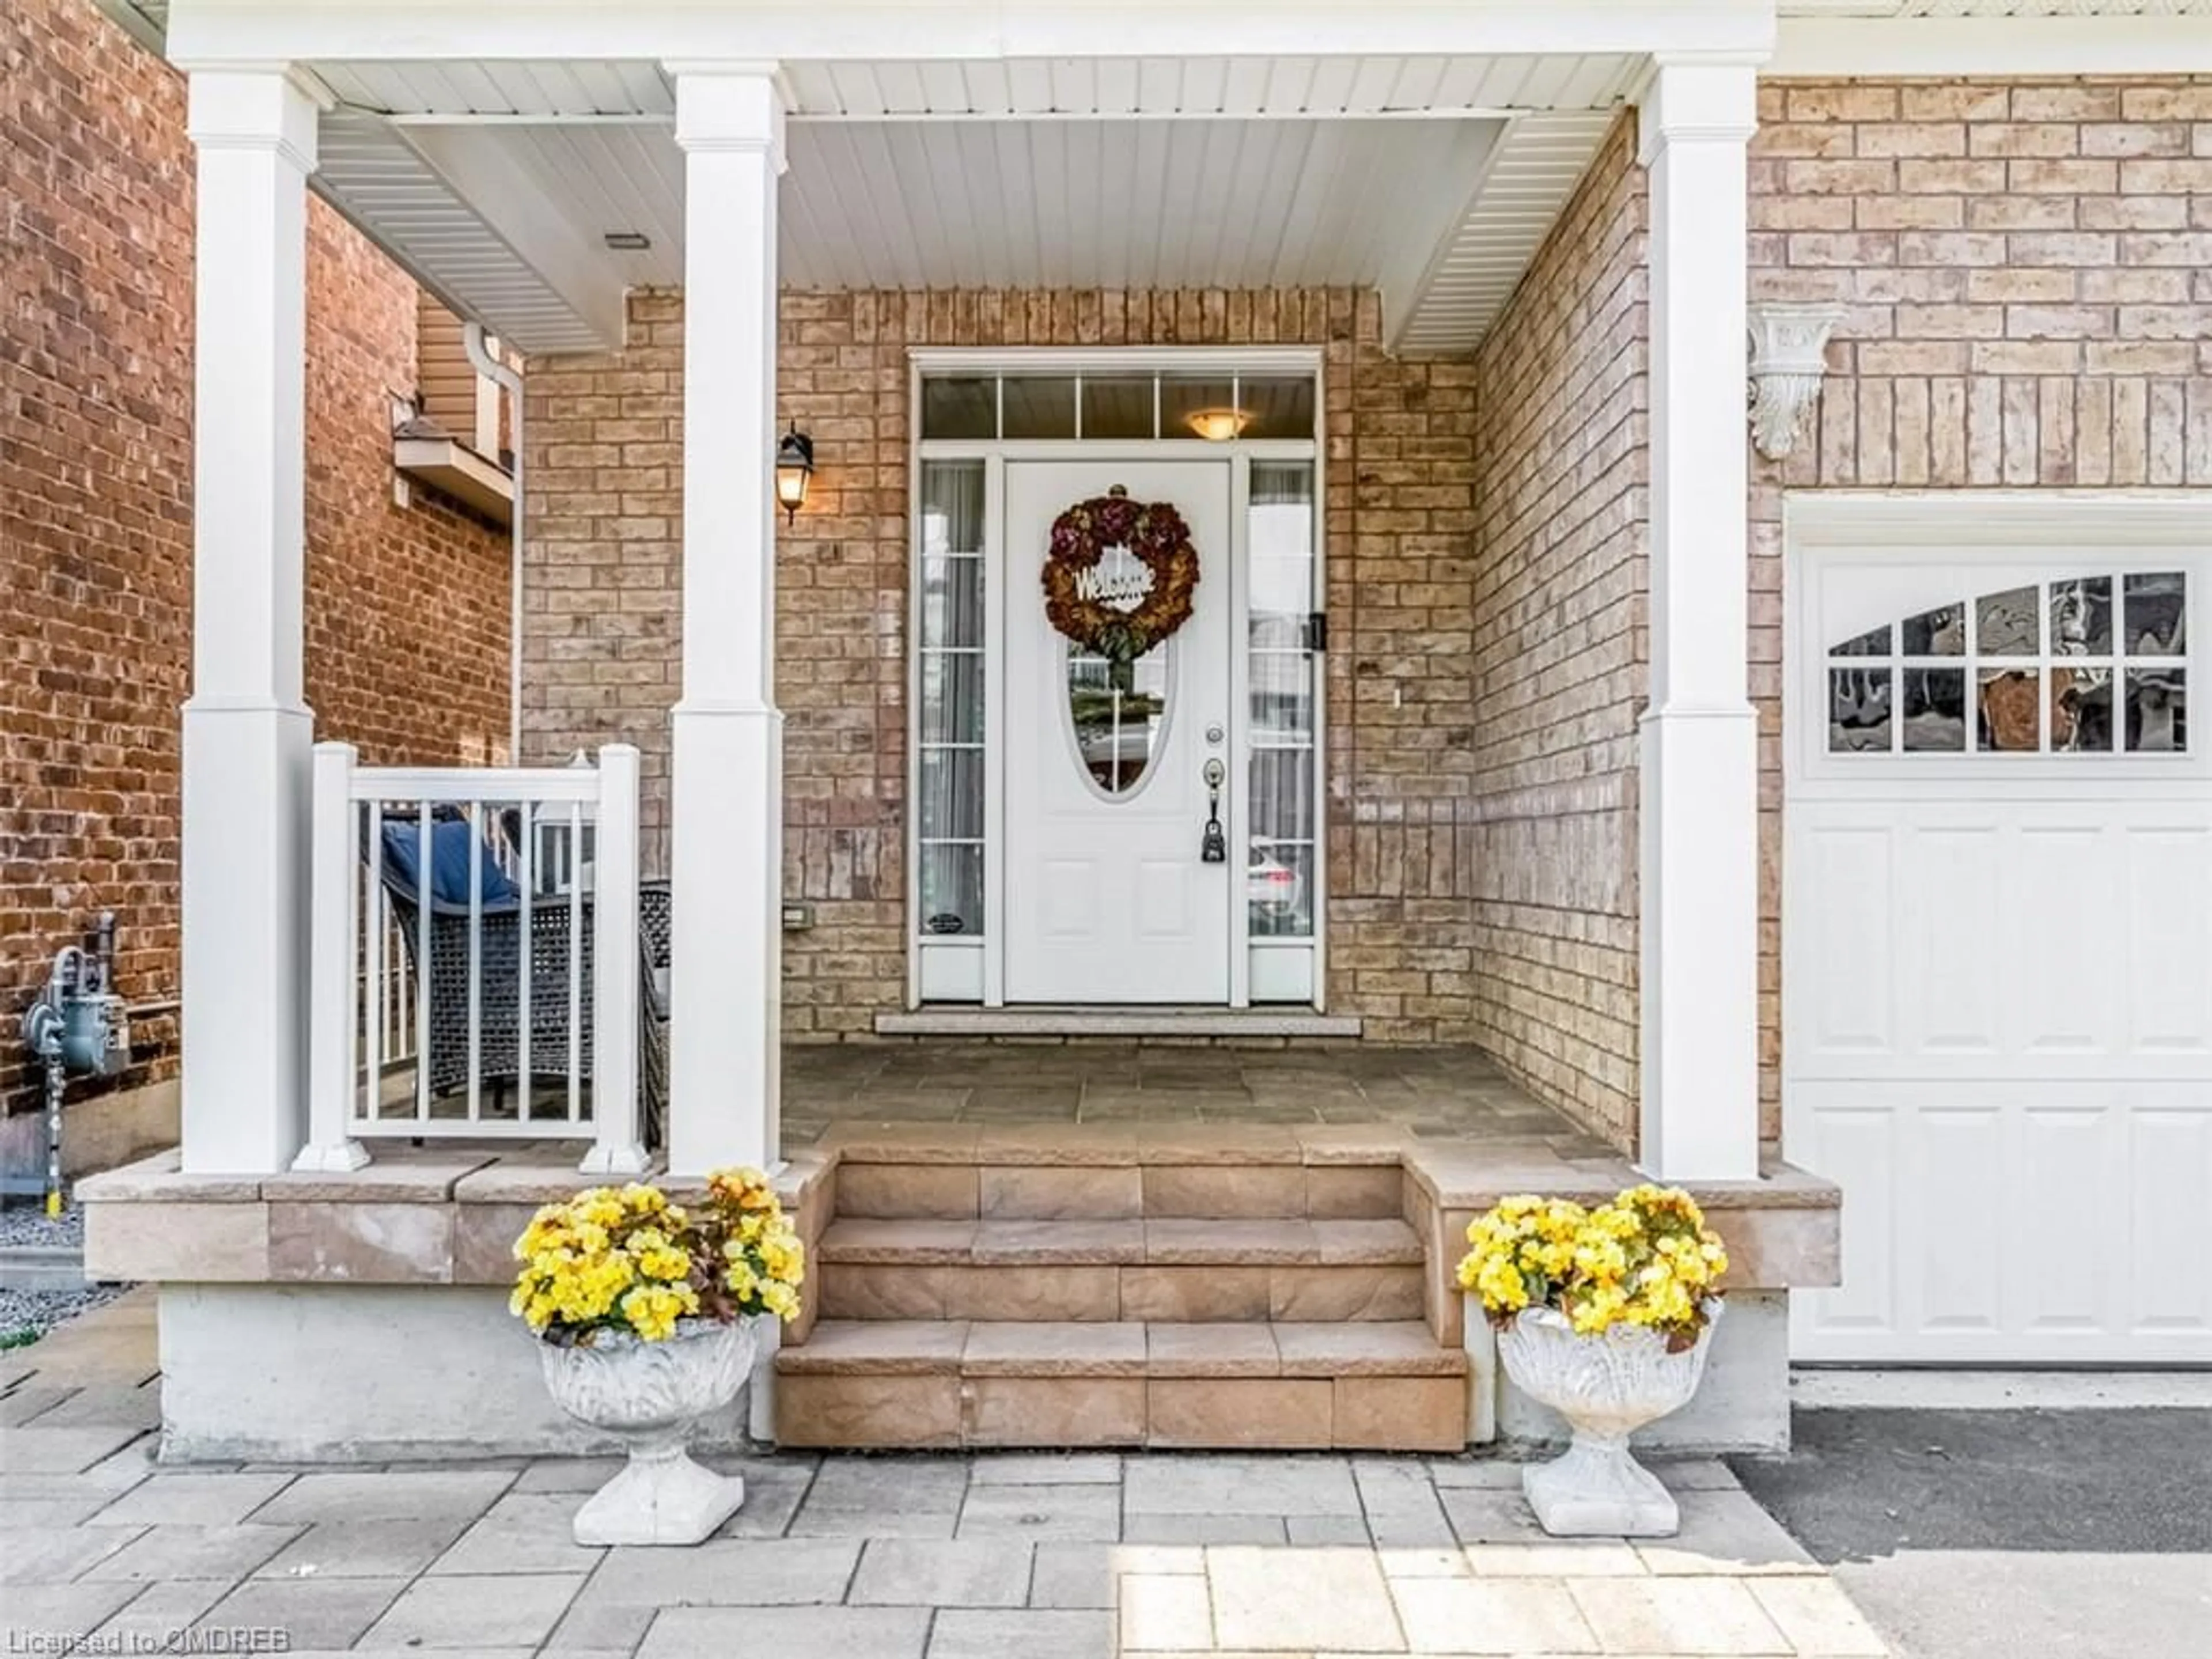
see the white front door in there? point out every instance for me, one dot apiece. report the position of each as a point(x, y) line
point(1998, 929)
point(1107, 897)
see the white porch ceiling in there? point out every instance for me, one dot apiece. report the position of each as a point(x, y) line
point(860, 89)
point(382, 183)
point(1531, 174)
point(1433, 180)
point(1184, 203)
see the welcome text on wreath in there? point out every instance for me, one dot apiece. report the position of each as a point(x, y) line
point(1124, 587)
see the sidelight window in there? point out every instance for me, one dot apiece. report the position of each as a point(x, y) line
point(950, 647)
point(1281, 664)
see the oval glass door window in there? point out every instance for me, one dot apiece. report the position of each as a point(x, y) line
point(1118, 734)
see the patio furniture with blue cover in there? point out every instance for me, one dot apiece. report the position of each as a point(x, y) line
point(443, 1043)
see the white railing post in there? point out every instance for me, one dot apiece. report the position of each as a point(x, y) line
point(617, 1146)
point(334, 966)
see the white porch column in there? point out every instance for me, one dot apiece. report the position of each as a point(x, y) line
point(246, 729)
point(726, 816)
point(1699, 798)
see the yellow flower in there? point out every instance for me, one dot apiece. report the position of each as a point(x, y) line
point(652, 1310)
point(781, 1300)
point(626, 1258)
point(1645, 1259)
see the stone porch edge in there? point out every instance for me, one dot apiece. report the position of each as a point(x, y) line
point(438, 1218)
point(1228, 1025)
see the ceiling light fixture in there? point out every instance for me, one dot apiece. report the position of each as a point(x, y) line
point(1219, 426)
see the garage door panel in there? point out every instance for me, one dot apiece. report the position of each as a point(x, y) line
point(1854, 1009)
point(2169, 924)
point(2169, 1282)
point(1947, 980)
point(2046, 1222)
point(2062, 904)
point(2069, 1160)
point(1957, 1247)
point(2024, 948)
point(1855, 1147)
point(2027, 1169)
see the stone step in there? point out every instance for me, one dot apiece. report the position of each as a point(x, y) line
point(1100, 1272)
point(1003, 1185)
point(1269, 1384)
point(1182, 1241)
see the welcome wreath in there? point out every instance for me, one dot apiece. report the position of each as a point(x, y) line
point(1077, 604)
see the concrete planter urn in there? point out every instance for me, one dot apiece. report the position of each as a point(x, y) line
point(651, 1393)
point(1607, 1386)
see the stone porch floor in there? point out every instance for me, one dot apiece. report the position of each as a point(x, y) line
point(1442, 1093)
point(1044, 1556)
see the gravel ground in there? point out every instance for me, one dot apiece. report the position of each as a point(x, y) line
point(27, 1222)
point(25, 1316)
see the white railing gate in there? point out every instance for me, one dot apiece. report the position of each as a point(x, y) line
point(354, 999)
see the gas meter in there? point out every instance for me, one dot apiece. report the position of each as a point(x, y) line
point(78, 1017)
point(77, 1023)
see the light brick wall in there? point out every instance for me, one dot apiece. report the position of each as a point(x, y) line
point(2027, 270)
point(1559, 665)
point(406, 610)
point(603, 613)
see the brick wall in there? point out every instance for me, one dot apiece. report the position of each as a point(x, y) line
point(95, 491)
point(2027, 270)
point(1558, 664)
point(603, 613)
point(407, 610)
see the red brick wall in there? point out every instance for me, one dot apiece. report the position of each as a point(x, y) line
point(2027, 272)
point(95, 490)
point(603, 613)
point(406, 609)
point(1559, 659)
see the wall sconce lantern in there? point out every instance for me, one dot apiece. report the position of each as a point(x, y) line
point(794, 465)
point(1789, 354)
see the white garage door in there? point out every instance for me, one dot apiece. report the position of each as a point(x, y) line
point(1998, 927)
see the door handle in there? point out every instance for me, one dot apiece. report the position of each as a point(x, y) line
point(1213, 845)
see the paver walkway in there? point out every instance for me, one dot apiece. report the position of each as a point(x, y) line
point(1006, 1557)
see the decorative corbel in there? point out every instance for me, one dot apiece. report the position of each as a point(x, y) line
point(1789, 353)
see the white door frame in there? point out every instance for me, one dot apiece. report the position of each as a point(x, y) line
point(997, 573)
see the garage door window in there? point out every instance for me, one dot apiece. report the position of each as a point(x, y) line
point(2091, 664)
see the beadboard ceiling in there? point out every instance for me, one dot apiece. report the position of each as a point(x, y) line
point(860, 89)
point(1432, 179)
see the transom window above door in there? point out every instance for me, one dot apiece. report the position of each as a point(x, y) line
point(1116, 405)
point(2094, 663)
